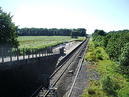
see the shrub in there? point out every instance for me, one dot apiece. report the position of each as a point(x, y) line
point(124, 92)
point(124, 57)
point(94, 90)
point(109, 86)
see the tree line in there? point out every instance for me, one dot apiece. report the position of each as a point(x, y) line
point(51, 32)
point(116, 44)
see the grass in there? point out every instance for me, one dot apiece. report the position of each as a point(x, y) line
point(111, 83)
point(43, 41)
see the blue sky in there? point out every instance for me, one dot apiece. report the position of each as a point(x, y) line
point(90, 14)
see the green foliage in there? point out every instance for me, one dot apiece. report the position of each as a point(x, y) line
point(101, 54)
point(116, 44)
point(113, 42)
point(99, 38)
point(51, 32)
point(100, 41)
point(111, 82)
point(124, 92)
point(109, 86)
point(8, 34)
point(99, 32)
point(95, 54)
point(124, 57)
point(90, 56)
point(94, 90)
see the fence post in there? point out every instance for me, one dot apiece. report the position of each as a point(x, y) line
point(36, 53)
point(11, 54)
point(2, 55)
point(42, 52)
point(28, 54)
point(32, 53)
point(46, 52)
point(17, 54)
point(23, 54)
point(62, 51)
point(39, 53)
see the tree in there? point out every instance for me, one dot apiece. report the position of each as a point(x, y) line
point(74, 34)
point(8, 30)
point(124, 57)
point(99, 32)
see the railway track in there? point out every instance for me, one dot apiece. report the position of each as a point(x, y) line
point(77, 73)
point(61, 69)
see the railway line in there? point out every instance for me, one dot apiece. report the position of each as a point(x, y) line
point(76, 55)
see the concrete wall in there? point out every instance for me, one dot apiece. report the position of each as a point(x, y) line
point(21, 78)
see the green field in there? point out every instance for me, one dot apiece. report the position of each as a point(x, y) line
point(43, 41)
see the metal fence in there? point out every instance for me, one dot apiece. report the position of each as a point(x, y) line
point(15, 54)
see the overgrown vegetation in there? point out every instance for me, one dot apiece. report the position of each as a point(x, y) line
point(109, 52)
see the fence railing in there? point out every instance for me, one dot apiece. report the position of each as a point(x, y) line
point(15, 54)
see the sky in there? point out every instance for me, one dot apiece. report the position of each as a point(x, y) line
point(107, 15)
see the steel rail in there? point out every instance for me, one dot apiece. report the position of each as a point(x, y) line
point(77, 73)
point(79, 51)
point(73, 52)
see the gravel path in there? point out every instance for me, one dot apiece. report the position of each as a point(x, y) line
point(86, 73)
point(81, 82)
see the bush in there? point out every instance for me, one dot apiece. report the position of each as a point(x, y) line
point(109, 86)
point(124, 57)
point(96, 54)
point(124, 92)
point(101, 54)
point(94, 90)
